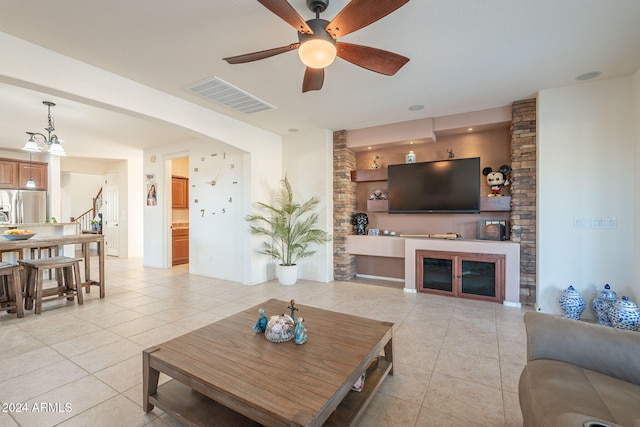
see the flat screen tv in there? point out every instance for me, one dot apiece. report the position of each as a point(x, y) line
point(447, 186)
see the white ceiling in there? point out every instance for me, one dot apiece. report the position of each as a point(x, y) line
point(465, 55)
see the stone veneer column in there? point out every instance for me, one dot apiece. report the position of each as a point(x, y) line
point(344, 205)
point(523, 193)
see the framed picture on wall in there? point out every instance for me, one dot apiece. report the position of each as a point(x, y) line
point(152, 195)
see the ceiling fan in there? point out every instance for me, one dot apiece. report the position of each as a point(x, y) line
point(317, 44)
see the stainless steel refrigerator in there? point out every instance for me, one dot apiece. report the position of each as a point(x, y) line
point(23, 206)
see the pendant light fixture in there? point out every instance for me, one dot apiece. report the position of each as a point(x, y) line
point(51, 141)
point(30, 183)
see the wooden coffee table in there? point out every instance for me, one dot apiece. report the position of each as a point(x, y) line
point(226, 374)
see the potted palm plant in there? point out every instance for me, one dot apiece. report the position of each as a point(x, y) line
point(291, 228)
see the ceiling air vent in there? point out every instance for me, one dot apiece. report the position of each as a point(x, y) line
point(216, 89)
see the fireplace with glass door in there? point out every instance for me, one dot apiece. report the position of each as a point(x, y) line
point(461, 274)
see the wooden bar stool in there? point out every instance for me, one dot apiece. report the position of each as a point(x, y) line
point(19, 253)
point(11, 288)
point(67, 272)
point(51, 251)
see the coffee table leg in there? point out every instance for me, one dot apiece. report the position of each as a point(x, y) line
point(149, 379)
point(388, 353)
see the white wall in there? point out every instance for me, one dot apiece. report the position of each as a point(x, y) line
point(636, 173)
point(308, 163)
point(219, 240)
point(587, 168)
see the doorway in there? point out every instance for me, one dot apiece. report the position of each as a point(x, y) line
point(179, 170)
point(111, 217)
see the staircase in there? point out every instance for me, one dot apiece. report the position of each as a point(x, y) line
point(83, 220)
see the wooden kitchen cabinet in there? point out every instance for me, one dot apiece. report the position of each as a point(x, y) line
point(8, 174)
point(34, 170)
point(179, 192)
point(180, 246)
point(14, 174)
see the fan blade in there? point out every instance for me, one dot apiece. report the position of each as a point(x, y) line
point(313, 79)
point(284, 10)
point(378, 60)
point(249, 57)
point(360, 13)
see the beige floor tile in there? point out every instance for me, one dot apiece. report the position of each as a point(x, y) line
point(39, 381)
point(158, 335)
point(175, 313)
point(462, 402)
point(86, 342)
point(15, 341)
point(136, 326)
point(510, 375)
point(512, 412)
point(478, 343)
point(407, 383)
point(17, 365)
point(124, 375)
point(388, 411)
point(6, 419)
point(113, 319)
point(67, 401)
point(60, 328)
point(137, 301)
point(117, 411)
point(512, 352)
point(109, 355)
point(469, 367)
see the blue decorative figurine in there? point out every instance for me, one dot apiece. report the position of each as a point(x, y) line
point(261, 324)
point(300, 333)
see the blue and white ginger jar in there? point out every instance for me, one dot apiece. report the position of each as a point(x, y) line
point(571, 303)
point(624, 314)
point(601, 304)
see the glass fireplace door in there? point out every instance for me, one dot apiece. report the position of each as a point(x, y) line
point(465, 275)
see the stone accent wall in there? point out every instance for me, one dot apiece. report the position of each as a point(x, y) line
point(344, 205)
point(523, 193)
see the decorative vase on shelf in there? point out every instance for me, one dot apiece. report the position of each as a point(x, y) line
point(410, 158)
point(601, 304)
point(624, 314)
point(571, 303)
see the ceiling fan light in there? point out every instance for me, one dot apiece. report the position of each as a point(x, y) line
point(317, 53)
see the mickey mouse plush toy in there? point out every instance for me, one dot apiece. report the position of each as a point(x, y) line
point(497, 179)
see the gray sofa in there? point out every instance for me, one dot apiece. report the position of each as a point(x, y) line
point(579, 372)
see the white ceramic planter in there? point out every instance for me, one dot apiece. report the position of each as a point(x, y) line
point(287, 274)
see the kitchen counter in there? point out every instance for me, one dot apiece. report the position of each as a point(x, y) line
point(36, 224)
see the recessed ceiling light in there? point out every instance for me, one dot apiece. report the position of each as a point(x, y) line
point(411, 142)
point(416, 107)
point(588, 76)
point(469, 129)
point(368, 148)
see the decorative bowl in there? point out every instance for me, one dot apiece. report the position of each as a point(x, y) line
point(19, 236)
point(280, 328)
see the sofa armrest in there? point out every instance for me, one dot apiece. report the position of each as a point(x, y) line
point(610, 351)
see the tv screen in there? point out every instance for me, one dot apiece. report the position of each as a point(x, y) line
point(447, 186)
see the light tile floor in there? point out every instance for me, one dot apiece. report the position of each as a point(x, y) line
point(456, 361)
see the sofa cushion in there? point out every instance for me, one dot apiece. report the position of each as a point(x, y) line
point(550, 388)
